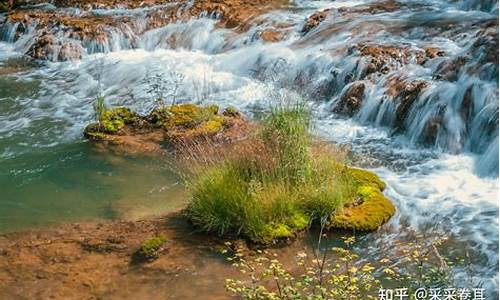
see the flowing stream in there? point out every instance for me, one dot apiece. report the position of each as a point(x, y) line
point(443, 178)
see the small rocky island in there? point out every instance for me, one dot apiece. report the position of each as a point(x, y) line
point(223, 145)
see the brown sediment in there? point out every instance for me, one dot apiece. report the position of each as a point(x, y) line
point(96, 261)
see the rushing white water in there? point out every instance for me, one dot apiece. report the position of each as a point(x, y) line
point(448, 185)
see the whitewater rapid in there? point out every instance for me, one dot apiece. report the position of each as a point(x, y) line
point(451, 186)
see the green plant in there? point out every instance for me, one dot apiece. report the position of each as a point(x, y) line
point(337, 274)
point(285, 132)
point(273, 184)
point(151, 247)
point(100, 108)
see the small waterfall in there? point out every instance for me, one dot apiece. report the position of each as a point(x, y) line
point(410, 86)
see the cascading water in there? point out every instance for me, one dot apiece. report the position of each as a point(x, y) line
point(412, 87)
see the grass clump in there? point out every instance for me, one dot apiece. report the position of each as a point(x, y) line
point(273, 184)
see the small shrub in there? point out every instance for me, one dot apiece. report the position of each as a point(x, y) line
point(115, 119)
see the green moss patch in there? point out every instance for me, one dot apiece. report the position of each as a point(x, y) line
point(151, 248)
point(111, 121)
point(189, 121)
point(179, 122)
point(372, 208)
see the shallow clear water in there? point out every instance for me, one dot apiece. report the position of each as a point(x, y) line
point(75, 182)
point(49, 174)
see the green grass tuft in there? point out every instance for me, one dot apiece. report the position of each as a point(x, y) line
point(274, 184)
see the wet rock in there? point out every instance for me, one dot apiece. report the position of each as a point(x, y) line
point(235, 14)
point(47, 47)
point(432, 52)
point(43, 47)
point(69, 51)
point(373, 8)
point(271, 36)
point(314, 20)
point(382, 58)
point(481, 55)
point(467, 105)
point(431, 130)
point(351, 99)
point(450, 69)
point(405, 94)
point(91, 29)
point(486, 45)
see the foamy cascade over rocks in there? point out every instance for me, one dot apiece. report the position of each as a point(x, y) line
point(409, 87)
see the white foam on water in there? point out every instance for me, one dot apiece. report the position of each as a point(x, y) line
point(430, 187)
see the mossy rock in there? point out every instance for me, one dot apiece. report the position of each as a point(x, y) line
point(364, 177)
point(273, 232)
point(112, 122)
point(231, 111)
point(115, 119)
point(373, 208)
point(94, 131)
point(183, 115)
point(151, 248)
point(188, 121)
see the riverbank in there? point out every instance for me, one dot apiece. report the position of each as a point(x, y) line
point(94, 261)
